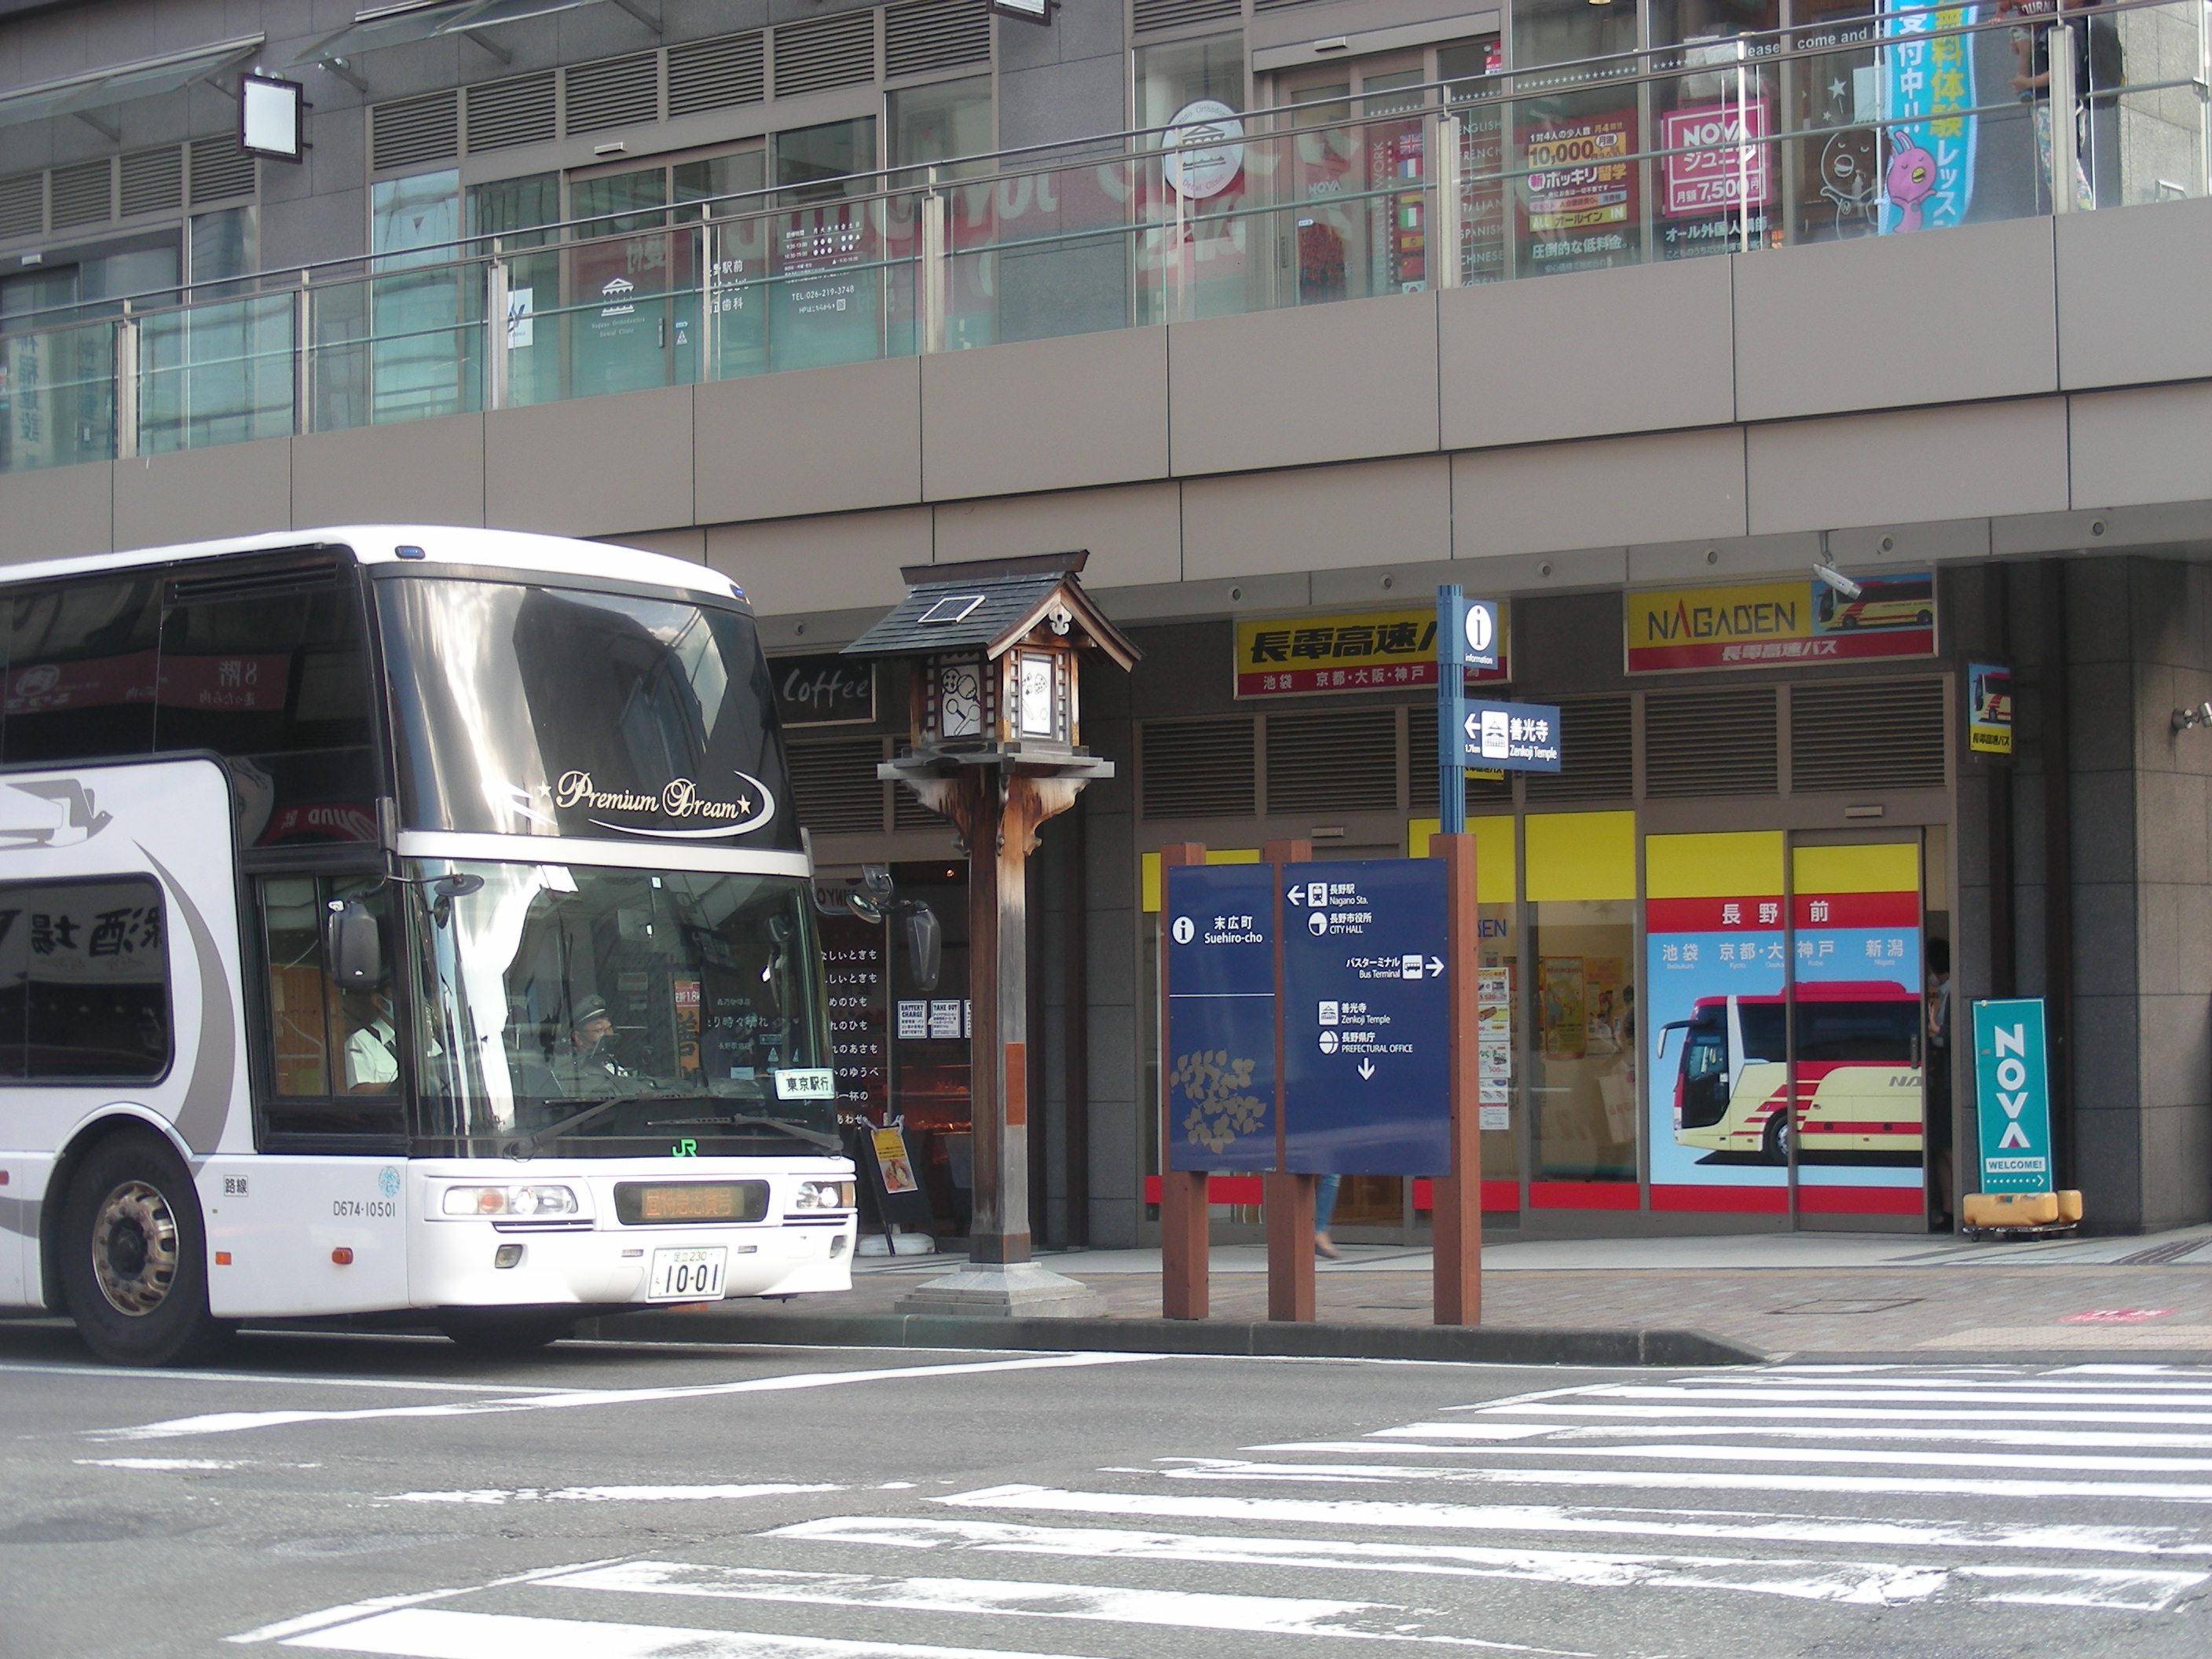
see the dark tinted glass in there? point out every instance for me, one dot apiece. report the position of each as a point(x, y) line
point(277, 682)
point(82, 670)
point(333, 1052)
point(1878, 1031)
point(547, 711)
point(84, 980)
point(1765, 1031)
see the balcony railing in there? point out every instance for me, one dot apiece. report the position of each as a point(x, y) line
point(1899, 123)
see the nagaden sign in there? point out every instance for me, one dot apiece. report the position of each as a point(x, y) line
point(1774, 624)
point(1512, 737)
point(2012, 1095)
point(1356, 651)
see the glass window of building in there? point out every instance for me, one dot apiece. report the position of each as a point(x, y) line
point(223, 244)
point(1204, 271)
point(710, 179)
point(1723, 95)
point(940, 122)
point(1579, 992)
point(813, 164)
point(831, 299)
point(1580, 206)
point(420, 363)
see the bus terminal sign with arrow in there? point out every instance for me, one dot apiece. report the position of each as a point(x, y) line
point(1366, 1017)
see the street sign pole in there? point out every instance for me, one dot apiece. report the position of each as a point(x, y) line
point(1455, 1213)
point(1290, 1197)
point(1183, 1266)
point(1451, 711)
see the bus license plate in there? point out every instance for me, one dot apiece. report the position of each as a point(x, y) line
point(687, 1275)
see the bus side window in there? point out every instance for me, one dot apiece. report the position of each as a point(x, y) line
point(333, 1052)
point(84, 981)
point(81, 678)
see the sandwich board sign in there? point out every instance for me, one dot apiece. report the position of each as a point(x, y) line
point(2012, 1095)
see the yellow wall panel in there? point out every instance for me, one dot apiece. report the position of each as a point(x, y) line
point(1581, 855)
point(1883, 867)
point(1494, 872)
point(1149, 870)
point(1720, 866)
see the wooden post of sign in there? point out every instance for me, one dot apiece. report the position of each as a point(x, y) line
point(1456, 1221)
point(1290, 1197)
point(1183, 1270)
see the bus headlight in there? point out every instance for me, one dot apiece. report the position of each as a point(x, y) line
point(825, 1195)
point(528, 1203)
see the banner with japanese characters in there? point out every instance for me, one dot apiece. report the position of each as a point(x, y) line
point(1776, 624)
point(1927, 97)
point(1357, 651)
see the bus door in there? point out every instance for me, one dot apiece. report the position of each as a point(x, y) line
point(1857, 1135)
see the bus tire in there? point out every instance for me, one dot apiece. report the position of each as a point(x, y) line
point(134, 1255)
point(1774, 1146)
point(506, 1330)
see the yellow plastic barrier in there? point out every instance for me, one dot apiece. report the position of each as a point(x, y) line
point(2070, 1205)
point(2014, 1209)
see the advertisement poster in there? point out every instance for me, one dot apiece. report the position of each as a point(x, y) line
point(1718, 161)
point(1561, 988)
point(1766, 624)
point(891, 1159)
point(1859, 1022)
point(1482, 193)
point(1926, 78)
point(2012, 1095)
point(1494, 1045)
point(1989, 709)
point(1299, 656)
point(1579, 208)
point(853, 967)
point(1713, 1024)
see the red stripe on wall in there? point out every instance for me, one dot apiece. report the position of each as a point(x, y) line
point(1501, 1197)
point(1711, 915)
point(1722, 1200)
point(1860, 1200)
point(1858, 910)
point(1583, 1195)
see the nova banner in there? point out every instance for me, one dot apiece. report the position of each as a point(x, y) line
point(1774, 624)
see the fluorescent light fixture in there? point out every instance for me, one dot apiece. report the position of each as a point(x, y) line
point(1030, 11)
point(269, 116)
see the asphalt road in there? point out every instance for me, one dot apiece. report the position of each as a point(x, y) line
point(358, 1495)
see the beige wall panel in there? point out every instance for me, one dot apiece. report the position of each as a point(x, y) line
point(689, 544)
point(836, 563)
point(1909, 466)
point(1091, 408)
point(1253, 596)
point(1522, 362)
point(1286, 388)
point(2151, 444)
point(1603, 492)
point(1134, 533)
point(1319, 518)
point(197, 493)
point(1844, 326)
point(57, 511)
point(812, 440)
point(410, 472)
point(592, 466)
point(2155, 256)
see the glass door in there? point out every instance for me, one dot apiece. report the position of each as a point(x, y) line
point(1355, 219)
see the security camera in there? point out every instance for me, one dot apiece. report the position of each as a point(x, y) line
point(2185, 718)
point(1843, 586)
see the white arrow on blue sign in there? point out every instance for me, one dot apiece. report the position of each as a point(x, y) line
point(1512, 737)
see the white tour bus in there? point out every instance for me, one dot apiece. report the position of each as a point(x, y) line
point(401, 919)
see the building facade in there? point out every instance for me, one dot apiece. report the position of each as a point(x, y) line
point(1289, 310)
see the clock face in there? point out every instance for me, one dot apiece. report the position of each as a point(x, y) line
point(960, 701)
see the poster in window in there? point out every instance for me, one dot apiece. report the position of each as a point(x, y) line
point(891, 1159)
point(1562, 989)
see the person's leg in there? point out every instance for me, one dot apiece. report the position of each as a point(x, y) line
point(1324, 1210)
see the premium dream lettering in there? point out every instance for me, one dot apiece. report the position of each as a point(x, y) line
point(680, 799)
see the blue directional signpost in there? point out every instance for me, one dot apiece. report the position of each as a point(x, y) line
point(1220, 925)
point(1366, 1017)
point(2012, 1088)
point(1512, 737)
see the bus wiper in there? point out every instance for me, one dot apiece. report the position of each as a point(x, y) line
point(828, 1143)
point(521, 1147)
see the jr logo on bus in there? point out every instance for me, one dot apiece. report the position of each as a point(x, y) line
point(753, 805)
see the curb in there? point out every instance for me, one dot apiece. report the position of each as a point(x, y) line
point(1480, 1345)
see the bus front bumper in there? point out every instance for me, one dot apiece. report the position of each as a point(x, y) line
point(480, 1265)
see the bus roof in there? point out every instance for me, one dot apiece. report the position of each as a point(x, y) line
point(1834, 990)
point(518, 550)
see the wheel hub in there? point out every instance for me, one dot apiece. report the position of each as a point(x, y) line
point(134, 1248)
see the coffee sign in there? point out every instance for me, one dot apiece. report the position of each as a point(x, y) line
point(824, 690)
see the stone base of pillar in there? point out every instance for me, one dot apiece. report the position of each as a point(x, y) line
point(1018, 1289)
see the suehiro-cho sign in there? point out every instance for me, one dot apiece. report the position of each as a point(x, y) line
point(1777, 623)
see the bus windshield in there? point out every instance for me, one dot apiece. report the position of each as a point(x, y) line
point(685, 1004)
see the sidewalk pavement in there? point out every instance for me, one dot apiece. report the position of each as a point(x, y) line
point(1736, 1298)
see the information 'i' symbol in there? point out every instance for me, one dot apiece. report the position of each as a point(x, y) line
point(1479, 625)
point(1184, 931)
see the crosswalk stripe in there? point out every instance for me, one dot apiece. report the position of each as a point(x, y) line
point(1861, 1396)
point(1921, 1458)
point(1274, 1616)
point(2135, 1588)
point(1694, 1479)
point(1844, 1417)
point(1367, 1513)
point(2163, 1387)
point(1475, 1434)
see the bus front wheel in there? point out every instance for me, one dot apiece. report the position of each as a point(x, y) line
point(134, 1256)
point(1774, 1148)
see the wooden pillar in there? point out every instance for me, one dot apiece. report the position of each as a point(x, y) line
point(1183, 1241)
point(1290, 1197)
point(1456, 1220)
point(998, 1069)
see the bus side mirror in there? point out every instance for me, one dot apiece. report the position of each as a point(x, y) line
point(925, 946)
point(354, 944)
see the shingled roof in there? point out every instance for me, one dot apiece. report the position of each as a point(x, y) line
point(987, 603)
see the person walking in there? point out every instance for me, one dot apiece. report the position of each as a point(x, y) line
point(1324, 1211)
point(1935, 1077)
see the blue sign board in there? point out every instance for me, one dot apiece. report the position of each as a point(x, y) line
point(1473, 632)
point(1367, 1018)
point(1219, 923)
point(2012, 1095)
point(1511, 736)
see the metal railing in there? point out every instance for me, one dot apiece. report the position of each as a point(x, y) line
point(1890, 124)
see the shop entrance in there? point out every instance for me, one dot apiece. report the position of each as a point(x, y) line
point(1789, 1025)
